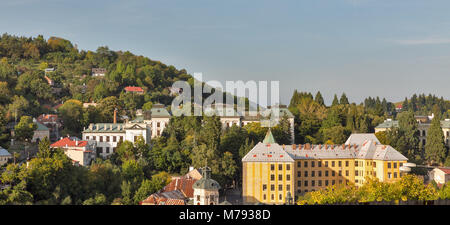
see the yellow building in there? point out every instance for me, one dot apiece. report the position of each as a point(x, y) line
point(271, 170)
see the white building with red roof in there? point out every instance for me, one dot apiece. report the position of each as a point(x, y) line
point(81, 152)
point(132, 89)
point(440, 175)
point(180, 191)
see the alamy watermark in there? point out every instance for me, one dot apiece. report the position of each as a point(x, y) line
point(257, 93)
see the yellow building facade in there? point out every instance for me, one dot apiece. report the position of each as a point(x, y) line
point(270, 170)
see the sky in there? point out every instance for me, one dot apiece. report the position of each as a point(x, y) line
point(386, 48)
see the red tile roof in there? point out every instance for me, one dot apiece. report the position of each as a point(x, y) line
point(182, 184)
point(57, 106)
point(134, 89)
point(445, 170)
point(163, 199)
point(49, 81)
point(47, 118)
point(69, 143)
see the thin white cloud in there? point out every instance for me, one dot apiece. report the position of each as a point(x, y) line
point(424, 41)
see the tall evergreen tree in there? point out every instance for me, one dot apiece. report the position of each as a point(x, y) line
point(319, 98)
point(384, 105)
point(405, 106)
point(405, 138)
point(344, 99)
point(435, 150)
point(335, 100)
point(294, 99)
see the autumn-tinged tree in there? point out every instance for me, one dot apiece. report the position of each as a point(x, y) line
point(107, 106)
point(409, 187)
point(24, 130)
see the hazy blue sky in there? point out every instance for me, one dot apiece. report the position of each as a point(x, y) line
point(386, 48)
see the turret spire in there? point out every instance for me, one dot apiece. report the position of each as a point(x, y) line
point(269, 139)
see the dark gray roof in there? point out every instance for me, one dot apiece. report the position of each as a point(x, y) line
point(267, 153)
point(4, 152)
point(367, 150)
point(445, 123)
point(394, 123)
point(358, 139)
point(206, 182)
point(105, 128)
point(388, 124)
point(288, 153)
point(159, 111)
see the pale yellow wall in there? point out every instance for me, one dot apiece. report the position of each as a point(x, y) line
point(255, 174)
point(203, 197)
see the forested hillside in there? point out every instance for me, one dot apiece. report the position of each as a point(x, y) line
point(24, 89)
point(135, 170)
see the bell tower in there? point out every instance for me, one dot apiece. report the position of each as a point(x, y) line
point(206, 190)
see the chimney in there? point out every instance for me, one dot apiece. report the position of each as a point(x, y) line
point(115, 116)
point(76, 143)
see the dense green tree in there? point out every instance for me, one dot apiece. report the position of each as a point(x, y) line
point(382, 137)
point(19, 106)
point(228, 167)
point(72, 115)
point(33, 85)
point(336, 134)
point(211, 132)
point(405, 138)
point(99, 199)
point(435, 151)
point(24, 130)
point(107, 106)
point(232, 139)
point(405, 105)
point(104, 177)
point(319, 98)
point(335, 101)
point(149, 187)
point(344, 99)
point(255, 132)
point(245, 148)
point(282, 131)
